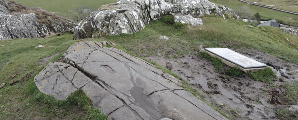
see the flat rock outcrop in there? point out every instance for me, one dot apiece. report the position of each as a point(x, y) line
point(123, 87)
point(130, 16)
point(17, 21)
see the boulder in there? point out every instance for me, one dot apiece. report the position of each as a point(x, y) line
point(17, 21)
point(188, 19)
point(130, 16)
point(121, 86)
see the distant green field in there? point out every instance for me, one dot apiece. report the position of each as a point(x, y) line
point(291, 5)
point(265, 13)
point(64, 7)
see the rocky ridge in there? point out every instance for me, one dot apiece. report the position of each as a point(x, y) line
point(18, 21)
point(130, 16)
point(123, 87)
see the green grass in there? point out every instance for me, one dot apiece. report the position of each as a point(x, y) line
point(291, 94)
point(291, 5)
point(265, 13)
point(64, 7)
point(284, 114)
point(265, 75)
point(23, 100)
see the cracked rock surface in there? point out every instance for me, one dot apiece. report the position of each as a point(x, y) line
point(123, 87)
point(17, 21)
point(130, 16)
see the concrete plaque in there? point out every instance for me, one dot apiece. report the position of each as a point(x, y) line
point(235, 58)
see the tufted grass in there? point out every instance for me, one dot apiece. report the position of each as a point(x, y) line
point(291, 93)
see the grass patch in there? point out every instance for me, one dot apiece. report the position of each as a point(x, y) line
point(291, 93)
point(265, 13)
point(265, 75)
point(290, 5)
point(284, 114)
point(23, 100)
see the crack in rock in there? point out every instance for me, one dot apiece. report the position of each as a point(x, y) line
point(125, 88)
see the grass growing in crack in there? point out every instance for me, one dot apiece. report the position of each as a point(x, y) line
point(235, 113)
point(265, 75)
point(284, 114)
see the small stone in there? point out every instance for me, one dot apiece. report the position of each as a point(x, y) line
point(14, 81)
point(163, 37)
point(39, 46)
point(169, 66)
point(2, 85)
point(104, 43)
point(165, 119)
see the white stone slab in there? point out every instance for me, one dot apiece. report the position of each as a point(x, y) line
point(236, 58)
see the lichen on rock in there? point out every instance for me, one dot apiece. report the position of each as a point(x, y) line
point(18, 21)
point(130, 16)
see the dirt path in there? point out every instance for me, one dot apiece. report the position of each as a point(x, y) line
point(241, 97)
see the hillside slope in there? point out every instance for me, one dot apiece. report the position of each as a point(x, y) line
point(176, 48)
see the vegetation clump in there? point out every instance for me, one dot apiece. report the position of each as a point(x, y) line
point(285, 114)
point(291, 93)
point(265, 75)
point(219, 66)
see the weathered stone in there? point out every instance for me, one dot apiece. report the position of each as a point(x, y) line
point(188, 19)
point(2, 85)
point(130, 16)
point(17, 21)
point(120, 85)
point(163, 38)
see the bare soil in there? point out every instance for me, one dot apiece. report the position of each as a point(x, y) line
point(239, 97)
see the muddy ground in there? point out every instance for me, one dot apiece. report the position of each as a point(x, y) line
point(240, 97)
